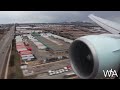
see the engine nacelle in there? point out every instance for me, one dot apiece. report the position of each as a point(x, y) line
point(90, 55)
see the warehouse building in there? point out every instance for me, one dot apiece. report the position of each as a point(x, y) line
point(59, 50)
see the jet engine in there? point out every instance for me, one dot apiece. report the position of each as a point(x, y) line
point(90, 55)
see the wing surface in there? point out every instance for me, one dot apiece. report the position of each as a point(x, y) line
point(108, 25)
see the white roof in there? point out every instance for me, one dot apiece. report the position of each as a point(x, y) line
point(23, 66)
point(41, 47)
point(59, 37)
point(28, 58)
point(21, 49)
point(28, 55)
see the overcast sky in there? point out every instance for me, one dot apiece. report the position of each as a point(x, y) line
point(54, 16)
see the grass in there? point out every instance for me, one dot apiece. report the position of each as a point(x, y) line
point(15, 71)
point(18, 71)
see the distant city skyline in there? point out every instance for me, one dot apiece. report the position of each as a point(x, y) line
point(54, 16)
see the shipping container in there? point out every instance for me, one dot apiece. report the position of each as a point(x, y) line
point(25, 52)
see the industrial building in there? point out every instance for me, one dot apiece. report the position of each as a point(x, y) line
point(52, 47)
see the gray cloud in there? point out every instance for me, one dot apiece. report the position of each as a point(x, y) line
point(54, 16)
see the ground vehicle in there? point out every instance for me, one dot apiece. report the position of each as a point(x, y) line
point(70, 74)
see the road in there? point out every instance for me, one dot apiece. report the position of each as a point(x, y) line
point(42, 70)
point(46, 76)
point(5, 43)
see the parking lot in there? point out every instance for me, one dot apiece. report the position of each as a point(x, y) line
point(42, 71)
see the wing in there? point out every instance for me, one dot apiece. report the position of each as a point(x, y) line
point(108, 25)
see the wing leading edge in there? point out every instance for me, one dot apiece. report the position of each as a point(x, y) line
point(108, 25)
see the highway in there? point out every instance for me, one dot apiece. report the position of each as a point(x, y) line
point(5, 44)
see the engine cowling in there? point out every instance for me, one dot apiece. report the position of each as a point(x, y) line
point(90, 55)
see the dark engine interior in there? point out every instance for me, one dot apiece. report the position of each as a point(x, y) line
point(82, 58)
